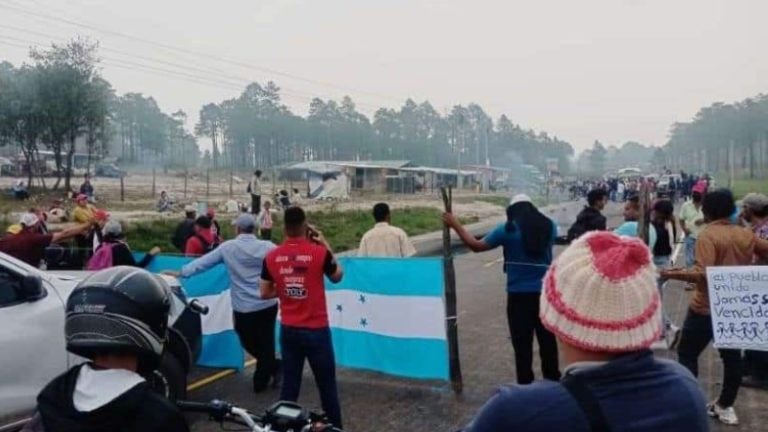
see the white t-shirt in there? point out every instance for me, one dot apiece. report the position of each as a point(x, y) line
point(384, 240)
point(96, 388)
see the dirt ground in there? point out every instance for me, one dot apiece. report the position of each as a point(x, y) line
point(138, 204)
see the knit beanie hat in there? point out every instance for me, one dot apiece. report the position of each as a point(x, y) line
point(600, 295)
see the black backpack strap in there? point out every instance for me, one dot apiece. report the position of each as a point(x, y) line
point(587, 402)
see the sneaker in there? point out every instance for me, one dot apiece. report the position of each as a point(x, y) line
point(725, 415)
point(660, 345)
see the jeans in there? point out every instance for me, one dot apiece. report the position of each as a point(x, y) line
point(255, 204)
point(697, 333)
point(690, 250)
point(256, 331)
point(523, 320)
point(662, 262)
point(314, 345)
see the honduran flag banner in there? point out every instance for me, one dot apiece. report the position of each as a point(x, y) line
point(388, 315)
point(220, 345)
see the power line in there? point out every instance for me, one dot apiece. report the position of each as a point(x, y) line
point(240, 81)
point(17, 9)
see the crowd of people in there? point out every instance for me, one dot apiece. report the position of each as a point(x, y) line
point(596, 310)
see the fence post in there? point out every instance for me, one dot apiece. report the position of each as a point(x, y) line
point(122, 188)
point(154, 182)
point(230, 183)
point(207, 183)
point(452, 324)
point(185, 184)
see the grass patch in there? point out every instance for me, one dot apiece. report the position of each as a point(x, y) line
point(742, 187)
point(501, 201)
point(342, 229)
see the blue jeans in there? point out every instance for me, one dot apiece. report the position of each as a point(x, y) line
point(690, 251)
point(662, 262)
point(314, 345)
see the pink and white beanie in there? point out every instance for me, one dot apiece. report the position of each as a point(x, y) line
point(600, 295)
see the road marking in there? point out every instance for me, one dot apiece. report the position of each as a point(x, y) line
point(491, 263)
point(217, 376)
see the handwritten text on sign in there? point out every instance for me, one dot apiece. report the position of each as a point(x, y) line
point(738, 298)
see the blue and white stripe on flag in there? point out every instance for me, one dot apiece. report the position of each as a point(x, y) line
point(220, 345)
point(388, 315)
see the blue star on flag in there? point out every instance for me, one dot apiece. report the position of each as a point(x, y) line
point(361, 299)
point(339, 308)
point(363, 322)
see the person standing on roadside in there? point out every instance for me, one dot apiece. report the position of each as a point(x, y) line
point(663, 223)
point(254, 315)
point(295, 273)
point(590, 218)
point(265, 221)
point(720, 244)
point(254, 188)
point(692, 222)
point(527, 239)
point(385, 240)
point(754, 211)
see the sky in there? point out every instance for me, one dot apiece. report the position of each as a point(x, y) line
point(608, 70)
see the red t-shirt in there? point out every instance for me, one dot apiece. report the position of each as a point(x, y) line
point(26, 246)
point(297, 268)
point(195, 246)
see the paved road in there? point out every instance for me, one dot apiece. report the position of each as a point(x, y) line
point(373, 402)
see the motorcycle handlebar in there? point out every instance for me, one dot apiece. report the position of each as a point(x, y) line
point(198, 307)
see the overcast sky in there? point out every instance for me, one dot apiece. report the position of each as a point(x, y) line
point(613, 70)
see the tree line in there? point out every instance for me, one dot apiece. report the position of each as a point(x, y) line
point(722, 138)
point(60, 102)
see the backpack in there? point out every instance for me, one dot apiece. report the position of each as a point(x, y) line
point(207, 247)
point(102, 258)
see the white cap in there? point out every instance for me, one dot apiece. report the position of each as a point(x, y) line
point(29, 219)
point(520, 198)
point(189, 208)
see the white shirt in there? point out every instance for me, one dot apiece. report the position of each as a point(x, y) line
point(384, 240)
point(255, 186)
point(96, 388)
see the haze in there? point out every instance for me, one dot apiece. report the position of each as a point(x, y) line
point(612, 70)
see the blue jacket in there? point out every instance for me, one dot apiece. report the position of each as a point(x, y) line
point(636, 393)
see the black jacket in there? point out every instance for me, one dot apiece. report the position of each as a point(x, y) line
point(122, 255)
point(589, 219)
point(139, 409)
point(184, 231)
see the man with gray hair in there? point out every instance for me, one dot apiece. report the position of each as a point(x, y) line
point(254, 316)
point(754, 211)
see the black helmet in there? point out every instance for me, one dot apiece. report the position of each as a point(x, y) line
point(120, 309)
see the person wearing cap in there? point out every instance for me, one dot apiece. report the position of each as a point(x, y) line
point(112, 236)
point(254, 316)
point(720, 244)
point(601, 302)
point(83, 212)
point(29, 244)
point(692, 221)
point(185, 229)
point(527, 239)
point(385, 240)
point(215, 227)
point(754, 211)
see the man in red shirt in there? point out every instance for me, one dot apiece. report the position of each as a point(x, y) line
point(29, 244)
point(294, 272)
point(203, 240)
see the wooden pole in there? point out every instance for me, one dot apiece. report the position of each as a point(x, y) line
point(185, 184)
point(154, 183)
point(452, 324)
point(645, 206)
point(230, 183)
point(122, 189)
point(207, 183)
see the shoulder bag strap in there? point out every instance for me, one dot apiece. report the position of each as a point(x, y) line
point(587, 402)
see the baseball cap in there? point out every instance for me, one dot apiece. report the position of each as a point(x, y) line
point(81, 197)
point(520, 198)
point(29, 219)
point(113, 228)
point(244, 222)
point(189, 208)
point(755, 201)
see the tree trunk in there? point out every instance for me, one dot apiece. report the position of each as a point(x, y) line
point(68, 172)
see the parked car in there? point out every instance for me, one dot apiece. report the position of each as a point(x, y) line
point(32, 306)
point(109, 170)
point(663, 186)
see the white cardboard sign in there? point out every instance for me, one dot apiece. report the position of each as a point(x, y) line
point(738, 300)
